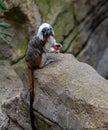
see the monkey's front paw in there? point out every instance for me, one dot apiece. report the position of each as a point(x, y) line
point(60, 45)
point(49, 60)
point(57, 47)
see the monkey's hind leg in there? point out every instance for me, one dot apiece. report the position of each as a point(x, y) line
point(48, 61)
point(45, 60)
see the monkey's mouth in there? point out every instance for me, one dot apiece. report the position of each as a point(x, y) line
point(50, 33)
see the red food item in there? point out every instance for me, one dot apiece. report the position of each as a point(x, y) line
point(56, 47)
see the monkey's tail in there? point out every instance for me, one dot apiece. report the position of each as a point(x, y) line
point(32, 117)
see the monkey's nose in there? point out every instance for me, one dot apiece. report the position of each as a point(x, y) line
point(50, 32)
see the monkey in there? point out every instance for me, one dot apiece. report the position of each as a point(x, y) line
point(43, 42)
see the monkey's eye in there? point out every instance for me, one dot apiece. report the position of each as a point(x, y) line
point(50, 28)
point(44, 30)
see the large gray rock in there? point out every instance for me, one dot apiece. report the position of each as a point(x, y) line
point(69, 95)
point(103, 64)
point(10, 83)
point(93, 19)
point(10, 86)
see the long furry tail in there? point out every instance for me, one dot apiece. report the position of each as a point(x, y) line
point(32, 117)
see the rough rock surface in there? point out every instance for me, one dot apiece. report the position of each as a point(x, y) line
point(81, 26)
point(69, 95)
point(24, 17)
point(27, 8)
point(10, 86)
point(95, 34)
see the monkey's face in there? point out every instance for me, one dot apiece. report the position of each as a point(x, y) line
point(47, 31)
point(44, 31)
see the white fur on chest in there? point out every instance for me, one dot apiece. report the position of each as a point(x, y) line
point(50, 44)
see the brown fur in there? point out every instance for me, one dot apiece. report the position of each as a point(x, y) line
point(34, 60)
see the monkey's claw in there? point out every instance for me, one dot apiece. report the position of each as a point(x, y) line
point(49, 61)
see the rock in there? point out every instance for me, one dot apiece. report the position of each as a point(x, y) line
point(69, 95)
point(17, 116)
point(95, 49)
point(62, 15)
point(103, 64)
point(10, 86)
point(24, 17)
point(24, 12)
point(81, 26)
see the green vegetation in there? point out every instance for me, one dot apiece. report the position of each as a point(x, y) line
point(4, 35)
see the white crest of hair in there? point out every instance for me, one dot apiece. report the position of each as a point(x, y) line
point(41, 27)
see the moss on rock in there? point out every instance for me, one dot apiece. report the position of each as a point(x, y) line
point(20, 49)
point(2, 57)
point(19, 67)
point(63, 16)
